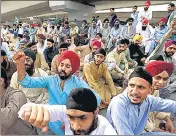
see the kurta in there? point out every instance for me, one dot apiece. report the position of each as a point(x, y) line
point(11, 102)
point(34, 95)
point(130, 119)
point(40, 62)
point(114, 34)
point(155, 118)
point(58, 112)
point(119, 59)
point(128, 32)
point(57, 95)
point(101, 81)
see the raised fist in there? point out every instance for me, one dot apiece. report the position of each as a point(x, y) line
point(19, 57)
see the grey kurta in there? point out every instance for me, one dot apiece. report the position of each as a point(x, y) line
point(11, 102)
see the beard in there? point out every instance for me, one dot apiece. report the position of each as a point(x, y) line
point(145, 8)
point(169, 54)
point(144, 28)
point(87, 132)
point(65, 77)
point(4, 64)
point(29, 69)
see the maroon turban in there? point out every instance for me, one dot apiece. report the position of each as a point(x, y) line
point(157, 67)
point(169, 43)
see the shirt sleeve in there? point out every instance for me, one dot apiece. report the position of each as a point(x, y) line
point(34, 82)
point(109, 130)
point(117, 115)
point(9, 114)
point(162, 105)
point(57, 112)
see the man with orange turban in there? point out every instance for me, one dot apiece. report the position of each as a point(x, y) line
point(146, 13)
point(59, 86)
point(159, 32)
point(160, 72)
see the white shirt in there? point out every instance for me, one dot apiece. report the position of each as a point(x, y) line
point(20, 31)
point(145, 14)
point(147, 34)
point(58, 112)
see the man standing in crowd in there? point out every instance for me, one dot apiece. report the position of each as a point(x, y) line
point(112, 17)
point(145, 14)
point(59, 86)
point(134, 15)
point(170, 9)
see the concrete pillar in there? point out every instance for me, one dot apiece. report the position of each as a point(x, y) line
point(75, 10)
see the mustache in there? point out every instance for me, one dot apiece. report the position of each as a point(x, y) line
point(63, 72)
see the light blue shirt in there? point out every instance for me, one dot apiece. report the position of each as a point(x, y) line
point(57, 96)
point(160, 32)
point(130, 119)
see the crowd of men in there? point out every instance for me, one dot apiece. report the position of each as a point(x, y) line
point(102, 78)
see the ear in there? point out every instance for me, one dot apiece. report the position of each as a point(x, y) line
point(2, 81)
point(96, 112)
point(150, 90)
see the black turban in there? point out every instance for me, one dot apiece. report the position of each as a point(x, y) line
point(31, 44)
point(82, 99)
point(101, 51)
point(157, 57)
point(63, 45)
point(30, 54)
point(142, 73)
point(129, 19)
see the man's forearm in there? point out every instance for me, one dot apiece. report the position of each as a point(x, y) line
point(169, 32)
point(21, 71)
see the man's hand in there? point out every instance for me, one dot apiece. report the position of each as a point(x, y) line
point(37, 116)
point(19, 57)
point(169, 125)
point(173, 24)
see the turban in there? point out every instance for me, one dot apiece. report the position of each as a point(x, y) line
point(145, 21)
point(20, 35)
point(73, 57)
point(95, 42)
point(3, 53)
point(156, 57)
point(163, 20)
point(169, 43)
point(137, 37)
point(101, 51)
point(82, 99)
point(32, 25)
point(157, 67)
point(64, 45)
point(130, 19)
point(141, 73)
point(41, 36)
point(31, 44)
point(147, 2)
point(45, 24)
point(30, 54)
